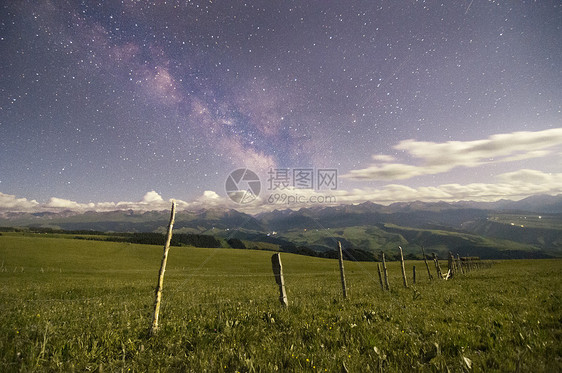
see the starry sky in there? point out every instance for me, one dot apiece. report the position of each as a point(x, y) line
point(103, 102)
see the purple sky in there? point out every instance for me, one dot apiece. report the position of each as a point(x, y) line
point(102, 102)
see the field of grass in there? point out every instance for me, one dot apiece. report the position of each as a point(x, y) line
point(547, 221)
point(362, 237)
point(86, 305)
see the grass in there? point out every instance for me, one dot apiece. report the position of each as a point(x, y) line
point(86, 305)
point(362, 237)
point(529, 220)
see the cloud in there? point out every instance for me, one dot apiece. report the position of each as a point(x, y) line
point(151, 197)
point(512, 185)
point(391, 171)
point(210, 195)
point(473, 153)
point(382, 158)
point(442, 157)
point(9, 202)
point(60, 203)
point(150, 201)
point(532, 177)
point(210, 199)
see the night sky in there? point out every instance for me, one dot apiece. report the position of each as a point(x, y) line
point(111, 101)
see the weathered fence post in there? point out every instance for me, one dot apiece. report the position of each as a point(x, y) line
point(451, 265)
point(437, 268)
point(403, 268)
point(160, 284)
point(386, 284)
point(278, 272)
point(342, 274)
point(426, 265)
point(380, 275)
point(460, 264)
point(414, 274)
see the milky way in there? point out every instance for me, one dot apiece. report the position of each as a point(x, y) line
point(106, 101)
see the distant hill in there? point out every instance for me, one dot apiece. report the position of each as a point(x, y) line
point(530, 228)
point(539, 204)
point(135, 221)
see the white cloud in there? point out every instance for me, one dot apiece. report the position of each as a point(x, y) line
point(471, 153)
point(209, 199)
point(382, 158)
point(513, 185)
point(60, 203)
point(437, 158)
point(9, 202)
point(106, 206)
point(210, 195)
point(152, 197)
point(392, 171)
point(532, 177)
point(150, 201)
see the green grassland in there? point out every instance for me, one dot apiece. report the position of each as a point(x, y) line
point(529, 220)
point(389, 236)
point(86, 306)
point(364, 237)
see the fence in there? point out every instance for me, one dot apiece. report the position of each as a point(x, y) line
point(195, 288)
point(455, 266)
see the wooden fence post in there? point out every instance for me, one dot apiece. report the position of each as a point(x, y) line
point(380, 275)
point(451, 264)
point(414, 273)
point(342, 274)
point(403, 268)
point(386, 284)
point(160, 284)
point(437, 268)
point(278, 272)
point(426, 265)
point(459, 264)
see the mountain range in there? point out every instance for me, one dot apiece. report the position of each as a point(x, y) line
point(530, 228)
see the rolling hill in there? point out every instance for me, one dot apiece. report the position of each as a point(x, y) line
point(530, 228)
